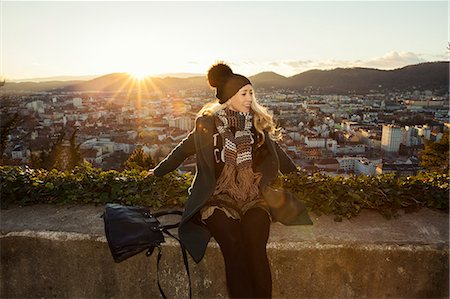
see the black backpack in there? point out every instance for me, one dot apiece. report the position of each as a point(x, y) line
point(132, 229)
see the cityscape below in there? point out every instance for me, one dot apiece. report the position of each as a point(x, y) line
point(371, 133)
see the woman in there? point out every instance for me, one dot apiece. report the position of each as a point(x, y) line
point(230, 198)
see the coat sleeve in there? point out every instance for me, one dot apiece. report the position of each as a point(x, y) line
point(182, 151)
point(286, 163)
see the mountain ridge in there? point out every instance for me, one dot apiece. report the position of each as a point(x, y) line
point(423, 76)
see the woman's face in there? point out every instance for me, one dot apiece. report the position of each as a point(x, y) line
point(242, 100)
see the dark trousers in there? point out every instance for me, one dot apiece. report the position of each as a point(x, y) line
point(243, 246)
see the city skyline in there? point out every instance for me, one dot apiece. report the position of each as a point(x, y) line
point(46, 39)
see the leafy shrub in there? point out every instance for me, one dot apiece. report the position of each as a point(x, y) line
point(346, 196)
point(86, 184)
point(343, 197)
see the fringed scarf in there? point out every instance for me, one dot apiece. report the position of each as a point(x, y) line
point(237, 178)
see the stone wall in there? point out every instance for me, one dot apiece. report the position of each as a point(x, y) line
point(351, 259)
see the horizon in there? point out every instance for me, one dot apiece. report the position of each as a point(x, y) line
point(156, 38)
point(174, 74)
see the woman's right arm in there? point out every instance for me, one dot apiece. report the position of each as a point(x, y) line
point(183, 150)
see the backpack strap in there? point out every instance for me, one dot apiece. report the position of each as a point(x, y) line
point(157, 273)
point(168, 212)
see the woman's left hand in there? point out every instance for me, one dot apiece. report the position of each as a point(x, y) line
point(150, 172)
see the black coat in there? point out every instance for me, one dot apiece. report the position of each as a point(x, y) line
point(267, 159)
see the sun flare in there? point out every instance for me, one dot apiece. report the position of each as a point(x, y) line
point(138, 75)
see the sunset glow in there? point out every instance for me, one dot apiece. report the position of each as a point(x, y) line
point(153, 37)
point(138, 75)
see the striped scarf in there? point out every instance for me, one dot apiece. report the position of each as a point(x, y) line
point(237, 178)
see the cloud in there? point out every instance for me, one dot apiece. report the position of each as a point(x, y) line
point(299, 63)
point(388, 61)
point(395, 59)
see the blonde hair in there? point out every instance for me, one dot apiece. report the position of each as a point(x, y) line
point(262, 119)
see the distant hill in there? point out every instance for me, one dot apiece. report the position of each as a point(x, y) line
point(177, 75)
point(269, 78)
point(125, 82)
point(424, 76)
point(37, 86)
point(56, 78)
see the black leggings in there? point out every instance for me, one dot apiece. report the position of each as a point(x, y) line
point(243, 246)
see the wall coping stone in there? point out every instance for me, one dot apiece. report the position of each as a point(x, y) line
point(425, 227)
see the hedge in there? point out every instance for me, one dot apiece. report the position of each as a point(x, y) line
point(341, 196)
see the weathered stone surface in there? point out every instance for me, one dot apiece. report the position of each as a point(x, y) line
point(61, 252)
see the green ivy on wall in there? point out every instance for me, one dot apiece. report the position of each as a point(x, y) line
point(343, 197)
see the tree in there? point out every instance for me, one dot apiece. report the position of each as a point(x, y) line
point(61, 154)
point(75, 157)
point(435, 155)
point(139, 160)
point(8, 123)
point(49, 158)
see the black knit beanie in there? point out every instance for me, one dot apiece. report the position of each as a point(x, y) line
point(225, 81)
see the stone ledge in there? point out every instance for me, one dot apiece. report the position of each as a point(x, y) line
point(71, 236)
point(61, 251)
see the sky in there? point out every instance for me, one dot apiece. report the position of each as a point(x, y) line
point(74, 38)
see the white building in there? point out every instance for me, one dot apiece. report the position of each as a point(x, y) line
point(124, 147)
point(355, 117)
point(358, 165)
point(420, 105)
point(182, 122)
point(391, 137)
point(106, 144)
point(350, 149)
point(294, 135)
point(346, 163)
point(407, 136)
point(366, 166)
point(424, 131)
point(102, 145)
point(330, 144)
point(37, 106)
point(77, 102)
point(410, 136)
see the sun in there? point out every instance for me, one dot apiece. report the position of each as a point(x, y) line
point(138, 74)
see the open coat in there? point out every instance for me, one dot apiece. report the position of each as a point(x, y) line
point(268, 159)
